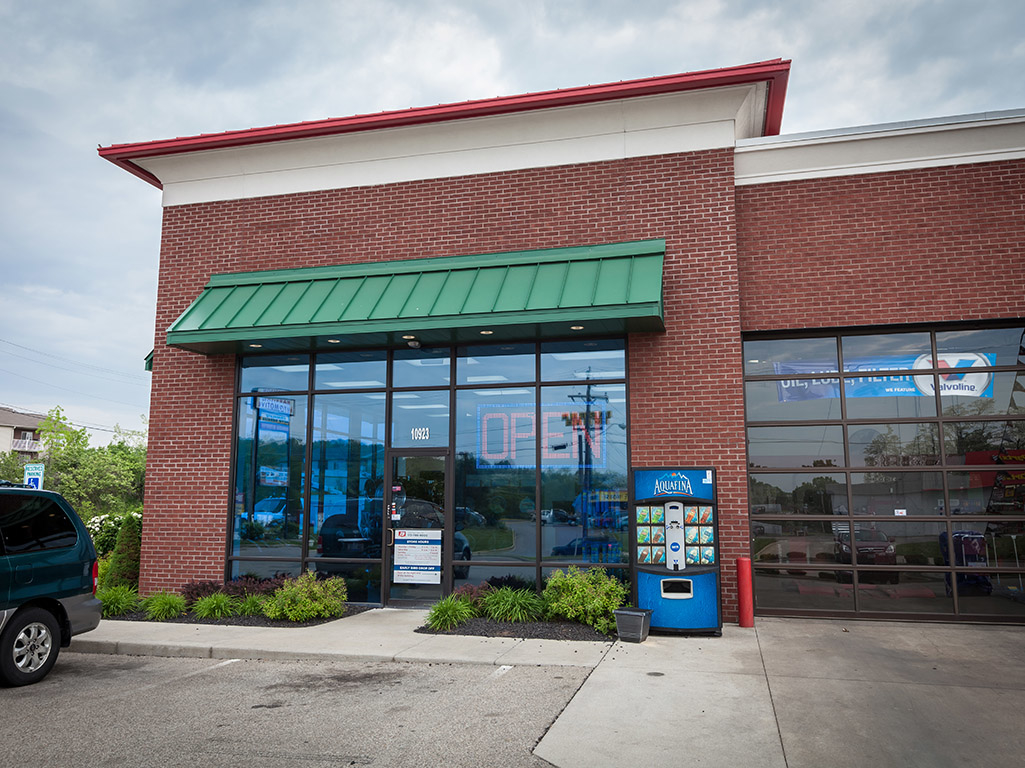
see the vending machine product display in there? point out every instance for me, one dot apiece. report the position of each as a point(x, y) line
point(676, 546)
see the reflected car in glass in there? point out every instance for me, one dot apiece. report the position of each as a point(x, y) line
point(871, 548)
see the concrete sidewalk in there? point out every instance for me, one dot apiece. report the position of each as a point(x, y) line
point(792, 693)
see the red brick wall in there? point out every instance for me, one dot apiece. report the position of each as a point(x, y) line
point(692, 417)
point(921, 246)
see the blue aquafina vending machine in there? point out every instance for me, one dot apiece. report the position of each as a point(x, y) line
point(676, 548)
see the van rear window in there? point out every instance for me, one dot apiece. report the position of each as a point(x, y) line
point(34, 523)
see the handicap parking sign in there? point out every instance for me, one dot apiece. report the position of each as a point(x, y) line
point(34, 475)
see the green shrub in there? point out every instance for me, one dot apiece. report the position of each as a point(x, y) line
point(216, 606)
point(161, 606)
point(307, 598)
point(124, 561)
point(104, 528)
point(450, 612)
point(118, 600)
point(251, 605)
point(252, 585)
point(508, 604)
point(102, 566)
point(589, 597)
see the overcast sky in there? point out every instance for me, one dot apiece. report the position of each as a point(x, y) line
point(79, 238)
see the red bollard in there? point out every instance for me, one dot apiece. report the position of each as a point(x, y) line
point(745, 595)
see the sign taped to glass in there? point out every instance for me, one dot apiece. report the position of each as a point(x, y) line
point(960, 381)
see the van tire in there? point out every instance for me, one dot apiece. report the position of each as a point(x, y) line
point(29, 647)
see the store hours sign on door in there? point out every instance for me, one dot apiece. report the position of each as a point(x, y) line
point(417, 558)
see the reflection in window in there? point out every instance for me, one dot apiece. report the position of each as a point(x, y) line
point(894, 445)
point(1003, 346)
point(494, 474)
point(420, 419)
point(789, 356)
point(583, 360)
point(427, 367)
point(271, 452)
point(347, 471)
point(787, 401)
point(584, 492)
point(987, 493)
point(797, 494)
point(897, 494)
point(903, 592)
point(495, 364)
point(1005, 396)
point(984, 442)
point(275, 373)
point(803, 590)
point(795, 447)
point(351, 370)
point(884, 352)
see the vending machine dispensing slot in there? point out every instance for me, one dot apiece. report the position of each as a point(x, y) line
point(675, 529)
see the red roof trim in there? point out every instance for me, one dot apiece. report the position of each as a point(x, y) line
point(775, 72)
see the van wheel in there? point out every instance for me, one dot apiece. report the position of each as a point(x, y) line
point(28, 647)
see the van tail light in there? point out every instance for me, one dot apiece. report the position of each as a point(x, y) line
point(96, 575)
point(320, 545)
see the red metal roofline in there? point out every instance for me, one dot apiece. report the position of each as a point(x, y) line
point(775, 72)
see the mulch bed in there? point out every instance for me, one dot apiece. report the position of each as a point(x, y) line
point(480, 627)
point(528, 630)
point(239, 621)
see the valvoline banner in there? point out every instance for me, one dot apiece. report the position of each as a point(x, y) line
point(962, 380)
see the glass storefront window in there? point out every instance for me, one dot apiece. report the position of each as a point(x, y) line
point(275, 373)
point(771, 447)
point(1003, 394)
point(584, 494)
point(783, 357)
point(495, 473)
point(904, 592)
point(790, 400)
point(894, 445)
point(495, 364)
point(987, 493)
point(984, 442)
point(271, 453)
point(264, 569)
point(347, 472)
point(935, 458)
point(420, 419)
point(583, 360)
point(884, 352)
point(803, 590)
point(365, 369)
point(897, 494)
point(797, 494)
point(999, 346)
point(428, 367)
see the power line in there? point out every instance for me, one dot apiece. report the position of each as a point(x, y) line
point(80, 373)
point(139, 377)
point(75, 391)
point(29, 412)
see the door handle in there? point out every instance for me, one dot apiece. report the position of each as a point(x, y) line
point(391, 537)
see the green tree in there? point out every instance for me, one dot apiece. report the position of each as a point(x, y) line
point(124, 560)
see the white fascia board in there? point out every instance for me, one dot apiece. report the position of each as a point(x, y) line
point(651, 125)
point(882, 148)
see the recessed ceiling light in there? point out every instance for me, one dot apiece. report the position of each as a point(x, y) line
point(408, 337)
point(334, 341)
point(486, 333)
point(576, 327)
point(255, 346)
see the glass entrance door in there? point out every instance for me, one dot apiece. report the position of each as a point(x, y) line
point(419, 534)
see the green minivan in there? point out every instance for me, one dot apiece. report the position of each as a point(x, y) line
point(48, 574)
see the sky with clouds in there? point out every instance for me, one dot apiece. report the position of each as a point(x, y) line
point(79, 238)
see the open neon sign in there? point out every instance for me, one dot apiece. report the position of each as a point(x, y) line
point(507, 436)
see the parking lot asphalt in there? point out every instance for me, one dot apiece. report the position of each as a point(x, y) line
point(792, 693)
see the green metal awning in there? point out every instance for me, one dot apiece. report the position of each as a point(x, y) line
point(593, 290)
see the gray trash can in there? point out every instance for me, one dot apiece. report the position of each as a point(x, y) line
point(632, 624)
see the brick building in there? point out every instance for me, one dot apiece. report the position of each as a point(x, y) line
point(480, 318)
